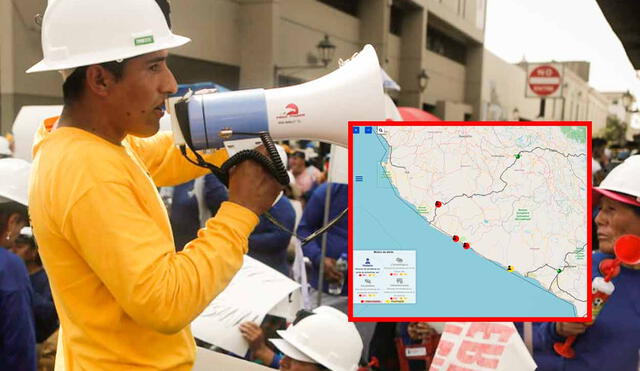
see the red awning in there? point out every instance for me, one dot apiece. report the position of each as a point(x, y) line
point(416, 114)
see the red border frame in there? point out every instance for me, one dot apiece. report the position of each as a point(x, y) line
point(588, 125)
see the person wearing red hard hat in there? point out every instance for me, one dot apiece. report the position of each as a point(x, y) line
point(612, 342)
point(124, 296)
point(619, 199)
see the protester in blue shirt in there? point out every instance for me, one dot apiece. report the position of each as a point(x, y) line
point(17, 334)
point(184, 214)
point(337, 236)
point(44, 310)
point(267, 243)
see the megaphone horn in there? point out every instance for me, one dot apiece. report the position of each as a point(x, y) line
point(316, 110)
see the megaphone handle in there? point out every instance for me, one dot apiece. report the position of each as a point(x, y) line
point(251, 154)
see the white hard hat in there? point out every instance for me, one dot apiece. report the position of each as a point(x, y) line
point(5, 149)
point(26, 231)
point(283, 155)
point(285, 161)
point(79, 33)
point(622, 183)
point(325, 337)
point(14, 173)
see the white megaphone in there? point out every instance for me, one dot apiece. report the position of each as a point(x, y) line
point(316, 110)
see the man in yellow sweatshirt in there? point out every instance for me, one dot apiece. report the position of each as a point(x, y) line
point(124, 296)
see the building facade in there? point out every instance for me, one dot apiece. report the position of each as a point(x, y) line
point(239, 43)
point(625, 112)
point(252, 44)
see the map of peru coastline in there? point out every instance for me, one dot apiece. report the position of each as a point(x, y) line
point(514, 195)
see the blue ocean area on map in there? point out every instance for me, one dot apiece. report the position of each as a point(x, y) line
point(451, 281)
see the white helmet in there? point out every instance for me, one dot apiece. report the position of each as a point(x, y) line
point(325, 337)
point(624, 178)
point(14, 173)
point(79, 33)
point(5, 147)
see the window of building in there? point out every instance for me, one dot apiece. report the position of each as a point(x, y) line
point(429, 108)
point(284, 80)
point(190, 70)
point(395, 24)
point(399, 9)
point(347, 6)
point(440, 43)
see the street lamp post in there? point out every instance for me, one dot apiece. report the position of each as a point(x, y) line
point(423, 80)
point(627, 101)
point(325, 49)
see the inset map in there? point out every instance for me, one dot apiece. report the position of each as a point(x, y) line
point(496, 217)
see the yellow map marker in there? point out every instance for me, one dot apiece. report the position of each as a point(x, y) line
point(510, 268)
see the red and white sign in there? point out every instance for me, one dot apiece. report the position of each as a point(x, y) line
point(481, 346)
point(544, 80)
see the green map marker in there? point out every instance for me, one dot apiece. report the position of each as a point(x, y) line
point(517, 156)
point(559, 271)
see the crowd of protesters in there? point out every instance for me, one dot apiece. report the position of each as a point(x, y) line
point(29, 320)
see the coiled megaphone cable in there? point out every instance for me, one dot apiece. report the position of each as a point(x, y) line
point(273, 164)
point(275, 167)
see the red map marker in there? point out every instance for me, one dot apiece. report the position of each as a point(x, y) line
point(438, 204)
point(466, 245)
point(456, 238)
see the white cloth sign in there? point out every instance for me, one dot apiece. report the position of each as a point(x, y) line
point(481, 346)
point(288, 307)
point(300, 274)
point(252, 292)
point(339, 165)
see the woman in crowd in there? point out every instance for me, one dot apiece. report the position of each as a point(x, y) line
point(613, 341)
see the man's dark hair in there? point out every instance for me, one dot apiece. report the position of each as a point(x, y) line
point(166, 10)
point(73, 86)
point(598, 146)
point(31, 242)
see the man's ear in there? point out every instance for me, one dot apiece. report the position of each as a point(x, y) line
point(99, 80)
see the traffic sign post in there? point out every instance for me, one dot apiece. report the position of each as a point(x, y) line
point(544, 80)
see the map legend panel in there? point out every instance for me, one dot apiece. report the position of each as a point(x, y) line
point(384, 276)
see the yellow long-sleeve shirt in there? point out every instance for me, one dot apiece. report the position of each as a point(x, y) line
point(125, 298)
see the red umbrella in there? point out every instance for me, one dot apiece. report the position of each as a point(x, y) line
point(416, 114)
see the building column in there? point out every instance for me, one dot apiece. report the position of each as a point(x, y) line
point(259, 36)
point(473, 80)
point(414, 34)
point(375, 17)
